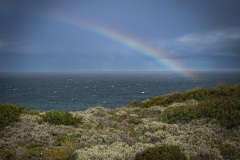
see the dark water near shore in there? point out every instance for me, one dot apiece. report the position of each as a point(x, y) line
point(69, 91)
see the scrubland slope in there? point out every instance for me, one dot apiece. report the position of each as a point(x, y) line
point(196, 124)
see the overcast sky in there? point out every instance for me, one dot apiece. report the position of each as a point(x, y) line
point(46, 35)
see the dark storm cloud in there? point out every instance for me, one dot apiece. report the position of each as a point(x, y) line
point(202, 35)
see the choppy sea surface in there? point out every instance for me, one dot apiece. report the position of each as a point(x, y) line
point(78, 91)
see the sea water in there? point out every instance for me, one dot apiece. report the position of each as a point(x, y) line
point(78, 91)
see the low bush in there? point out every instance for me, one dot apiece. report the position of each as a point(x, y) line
point(6, 155)
point(64, 138)
point(60, 153)
point(229, 152)
point(225, 111)
point(61, 117)
point(203, 157)
point(31, 112)
point(36, 152)
point(134, 121)
point(133, 104)
point(9, 114)
point(199, 94)
point(225, 90)
point(165, 100)
point(161, 153)
point(181, 114)
point(221, 103)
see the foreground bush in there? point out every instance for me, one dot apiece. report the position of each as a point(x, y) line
point(161, 153)
point(229, 152)
point(225, 111)
point(61, 117)
point(181, 114)
point(9, 114)
point(221, 103)
point(6, 155)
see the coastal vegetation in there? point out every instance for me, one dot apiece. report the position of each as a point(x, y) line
point(192, 125)
point(163, 152)
point(221, 103)
point(9, 114)
point(61, 117)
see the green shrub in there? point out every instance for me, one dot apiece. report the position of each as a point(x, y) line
point(225, 111)
point(36, 152)
point(165, 100)
point(181, 114)
point(203, 157)
point(134, 121)
point(199, 94)
point(221, 103)
point(225, 90)
point(161, 153)
point(6, 155)
point(133, 104)
point(9, 114)
point(31, 112)
point(61, 117)
point(229, 152)
point(131, 132)
point(65, 138)
point(73, 156)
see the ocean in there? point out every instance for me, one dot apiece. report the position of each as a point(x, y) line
point(79, 91)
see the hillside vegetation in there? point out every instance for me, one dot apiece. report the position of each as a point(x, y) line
point(194, 125)
point(221, 103)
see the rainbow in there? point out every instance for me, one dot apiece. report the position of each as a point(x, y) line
point(126, 41)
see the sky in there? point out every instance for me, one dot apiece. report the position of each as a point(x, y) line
point(119, 35)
